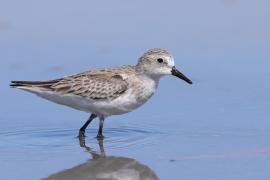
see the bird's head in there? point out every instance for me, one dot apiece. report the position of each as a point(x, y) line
point(158, 62)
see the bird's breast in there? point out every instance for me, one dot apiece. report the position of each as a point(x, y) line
point(145, 89)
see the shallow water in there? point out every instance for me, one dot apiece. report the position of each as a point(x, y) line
point(218, 128)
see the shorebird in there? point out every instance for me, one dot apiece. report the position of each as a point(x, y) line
point(107, 92)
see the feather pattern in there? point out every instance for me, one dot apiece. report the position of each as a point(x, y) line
point(92, 86)
point(98, 84)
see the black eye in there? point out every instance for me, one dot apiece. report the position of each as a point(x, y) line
point(160, 60)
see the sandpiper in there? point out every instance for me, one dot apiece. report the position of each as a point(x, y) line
point(107, 92)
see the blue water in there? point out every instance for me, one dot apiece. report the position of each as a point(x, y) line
point(217, 128)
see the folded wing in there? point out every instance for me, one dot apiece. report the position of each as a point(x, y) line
point(91, 85)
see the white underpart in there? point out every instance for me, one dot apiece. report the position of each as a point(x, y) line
point(123, 104)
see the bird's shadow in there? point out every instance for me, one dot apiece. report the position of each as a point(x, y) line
point(101, 166)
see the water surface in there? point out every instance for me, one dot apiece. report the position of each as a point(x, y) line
point(218, 128)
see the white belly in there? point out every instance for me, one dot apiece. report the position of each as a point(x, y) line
point(123, 104)
point(130, 100)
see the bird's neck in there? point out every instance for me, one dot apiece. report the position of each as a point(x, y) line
point(151, 80)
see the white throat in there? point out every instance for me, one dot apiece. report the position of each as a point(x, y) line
point(152, 80)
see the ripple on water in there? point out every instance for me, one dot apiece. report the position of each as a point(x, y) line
point(129, 136)
point(118, 137)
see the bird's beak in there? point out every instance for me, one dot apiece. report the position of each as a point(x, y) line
point(177, 73)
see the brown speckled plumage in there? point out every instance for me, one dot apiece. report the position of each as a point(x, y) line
point(98, 84)
point(109, 91)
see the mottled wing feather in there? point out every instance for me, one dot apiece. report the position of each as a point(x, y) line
point(92, 86)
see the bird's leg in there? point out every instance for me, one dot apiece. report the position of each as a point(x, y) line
point(101, 122)
point(82, 130)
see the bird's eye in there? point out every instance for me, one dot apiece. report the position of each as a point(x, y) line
point(160, 60)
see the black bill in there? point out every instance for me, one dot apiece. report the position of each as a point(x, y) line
point(177, 73)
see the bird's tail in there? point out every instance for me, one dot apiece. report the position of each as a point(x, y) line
point(32, 84)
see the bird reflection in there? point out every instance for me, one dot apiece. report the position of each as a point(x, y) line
point(102, 167)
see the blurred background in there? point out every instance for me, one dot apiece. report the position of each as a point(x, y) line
point(218, 128)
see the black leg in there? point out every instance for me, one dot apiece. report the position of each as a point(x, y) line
point(82, 130)
point(101, 122)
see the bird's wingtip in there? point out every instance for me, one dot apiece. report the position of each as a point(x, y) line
point(13, 84)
